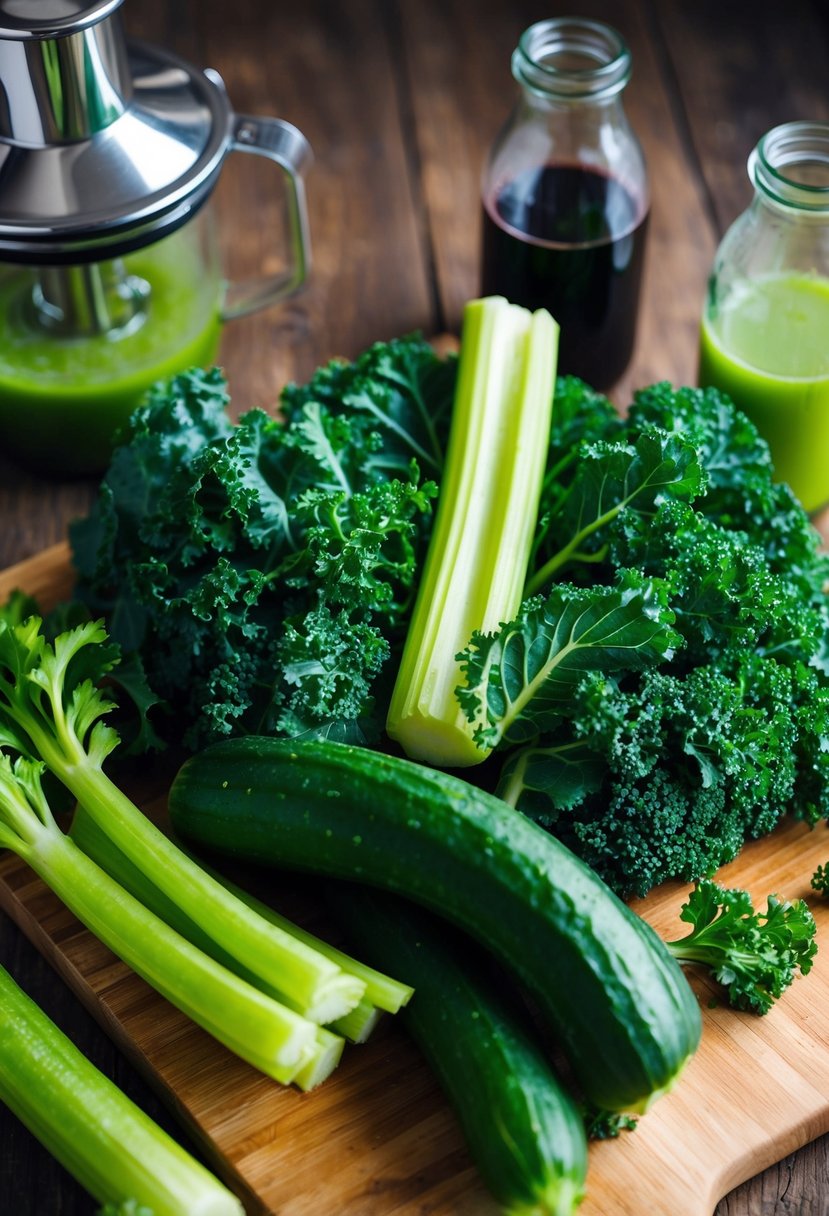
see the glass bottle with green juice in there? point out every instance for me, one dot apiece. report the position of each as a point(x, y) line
point(765, 326)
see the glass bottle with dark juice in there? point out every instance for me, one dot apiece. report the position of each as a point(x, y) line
point(565, 196)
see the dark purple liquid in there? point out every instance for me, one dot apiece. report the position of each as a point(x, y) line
point(571, 240)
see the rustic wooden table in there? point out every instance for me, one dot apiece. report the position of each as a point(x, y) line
point(400, 99)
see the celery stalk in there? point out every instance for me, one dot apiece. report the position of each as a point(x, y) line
point(50, 709)
point(269, 1036)
point(323, 1058)
point(381, 991)
point(105, 1141)
point(359, 1024)
point(389, 995)
point(477, 561)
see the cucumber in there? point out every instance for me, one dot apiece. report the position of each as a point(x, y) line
point(523, 1130)
point(613, 996)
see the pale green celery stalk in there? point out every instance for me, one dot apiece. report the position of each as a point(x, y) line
point(381, 991)
point(51, 722)
point(477, 561)
point(106, 1142)
point(322, 1060)
point(389, 995)
point(360, 1023)
point(318, 1059)
point(269, 1036)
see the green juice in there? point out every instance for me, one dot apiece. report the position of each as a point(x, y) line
point(63, 398)
point(767, 347)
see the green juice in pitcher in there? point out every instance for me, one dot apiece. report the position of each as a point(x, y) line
point(64, 394)
point(767, 347)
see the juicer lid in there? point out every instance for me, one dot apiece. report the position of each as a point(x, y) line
point(105, 146)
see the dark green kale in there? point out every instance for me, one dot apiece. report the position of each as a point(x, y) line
point(606, 1124)
point(754, 955)
point(663, 769)
point(663, 694)
point(820, 879)
point(263, 572)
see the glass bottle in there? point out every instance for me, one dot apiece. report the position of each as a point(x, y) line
point(565, 195)
point(765, 325)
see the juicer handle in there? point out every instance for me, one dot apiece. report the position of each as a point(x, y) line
point(285, 145)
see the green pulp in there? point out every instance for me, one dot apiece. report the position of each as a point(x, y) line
point(63, 398)
point(767, 347)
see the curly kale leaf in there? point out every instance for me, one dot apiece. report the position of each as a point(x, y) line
point(666, 772)
point(606, 1124)
point(362, 547)
point(675, 772)
point(328, 663)
point(263, 572)
point(520, 679)
point(754, 955)
point(742, 495)
point(399, 390)
point(611, 480)
point(820, 879)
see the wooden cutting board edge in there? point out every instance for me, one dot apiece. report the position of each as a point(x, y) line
point(759, 1080)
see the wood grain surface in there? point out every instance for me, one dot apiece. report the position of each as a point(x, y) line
point(400, 99)
point(377, 1138)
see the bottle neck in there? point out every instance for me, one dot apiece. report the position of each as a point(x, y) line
point(789, 169)
point(571, 60)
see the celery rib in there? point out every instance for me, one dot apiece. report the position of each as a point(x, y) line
point(265, 950)
point(249, 1023)
point(476, 566)
point(44, 714)
point(381, 990)
point(106, 1142)
point(387, 994)
point(257, 1028)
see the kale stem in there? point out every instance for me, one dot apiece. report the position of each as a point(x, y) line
point(570, 550)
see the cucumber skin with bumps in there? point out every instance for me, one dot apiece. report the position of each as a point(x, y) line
point(524, 1132)
point(611, 993)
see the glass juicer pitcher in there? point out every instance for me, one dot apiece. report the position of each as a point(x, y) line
point(110, 276)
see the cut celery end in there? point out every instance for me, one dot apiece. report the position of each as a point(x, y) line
point(476, 566)
point(389, 995)
point(323, 1058)
point(105, 1141)
point(359, 1024)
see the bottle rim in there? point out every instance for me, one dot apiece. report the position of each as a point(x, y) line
point(572, 57)
point(790, 165)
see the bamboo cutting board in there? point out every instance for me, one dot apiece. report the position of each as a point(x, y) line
point(377, 1138)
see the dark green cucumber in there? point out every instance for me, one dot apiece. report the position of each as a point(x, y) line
point(617, 1001)
point(524, 1131)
